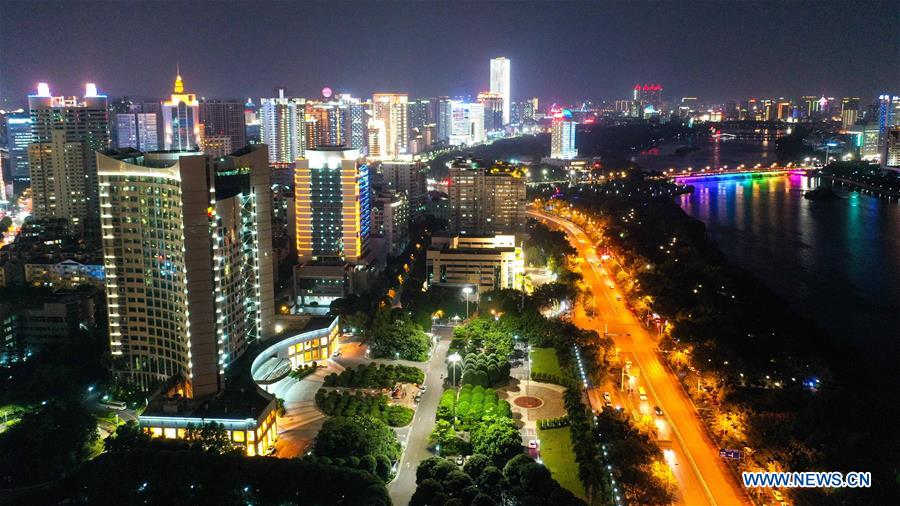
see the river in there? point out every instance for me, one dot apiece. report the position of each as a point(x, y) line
point(835, 261)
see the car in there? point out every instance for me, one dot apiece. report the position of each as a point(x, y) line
point(423, 388)
point(418, 397)
point(607, 397)
point(657, 410)
point(532, 444)
point(271, 451)
point(618, 297)
point(460, 460)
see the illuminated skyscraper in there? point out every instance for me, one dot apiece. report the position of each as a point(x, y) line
point(332, 206)
point(466, 123)
point(648, 94)
point(181, 119)
point(18, 132)
point(137, 130)
point(66, 132)
point(562, 136)
point(187, 252)
point(283, 127)
point(500, 83)
point(493, 111)
point(391, 108)
point(486, 198)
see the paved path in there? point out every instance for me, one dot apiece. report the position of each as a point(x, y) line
point(302, 419)
point(403, 486)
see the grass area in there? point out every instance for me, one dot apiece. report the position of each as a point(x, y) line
point(558, 456)
point(543, 360)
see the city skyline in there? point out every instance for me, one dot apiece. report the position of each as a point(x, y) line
point(608, 48)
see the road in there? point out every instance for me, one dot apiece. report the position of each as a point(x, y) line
point(403, 486)
point(702, 477)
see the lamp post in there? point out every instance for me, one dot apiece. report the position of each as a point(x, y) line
point(453, 359)
point(466, 291)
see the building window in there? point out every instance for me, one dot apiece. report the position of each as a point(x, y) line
point(237, 436)
point(170, 433)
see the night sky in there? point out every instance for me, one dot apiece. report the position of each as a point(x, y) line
point(567, 51)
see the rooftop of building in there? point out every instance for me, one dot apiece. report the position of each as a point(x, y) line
point(495, 167)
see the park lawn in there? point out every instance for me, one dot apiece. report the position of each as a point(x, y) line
point(543, 360)
point(557, 454)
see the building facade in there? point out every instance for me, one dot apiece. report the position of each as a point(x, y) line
point(391, 110)
point(187, 255)
point(66, 133)
point(137, 130)
point(18, 132)
point(500, 83)
point(407, 176)
point(181, 120)
point(283, 127)
point(466, 123)
point(224, 118)
point(486, 198)
point(562, 136)
point(482, 262)
point(332, 206)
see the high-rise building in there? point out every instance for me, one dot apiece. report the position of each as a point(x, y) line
point(332, 206)
point(181, 119)
point(224, 117)
point(137, 130)
point(356, 116)
point(785, 110)
point(888, 116)
point(486, 198)
point(18, 135)
point(283, 127)
point(419, 115)
point(493, 110)
point(377, 136)
point(390, 221)
point(187, 253)
point(562, 136)
point(408, 177)
point(466, 123)
point(391, 108)
point(892, 149)
point(500, 83)
point(849, 111)
point(648, 94)
point(444, 118)
point(216, 146)
point(66, 133)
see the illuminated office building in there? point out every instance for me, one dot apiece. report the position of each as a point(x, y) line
point(493, 111)
point(648, 94)
point(137, 130)
point(486, 198)
point(283, 127)
point(181, 119)
point(444, 119)
point(466, 123)
point(849, 112)
point(562, 136)
point(500, 83)
point(332, 206)
point(391, 109)
point(18, 135)
point(66, 133)
point(187, 252)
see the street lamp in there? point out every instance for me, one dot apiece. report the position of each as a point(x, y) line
point(453, 359)
point(466, 291)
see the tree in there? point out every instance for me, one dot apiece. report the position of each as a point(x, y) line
point(442, 433)
point(362, 435)
point(496, 438)
point(210, 437)
point(5, 224)
point(428, 493)
point(127, 437)
point(475, 465)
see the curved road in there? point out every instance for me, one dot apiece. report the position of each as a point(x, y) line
point(702, 477)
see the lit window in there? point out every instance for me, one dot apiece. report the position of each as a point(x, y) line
point(170, 433)
point(237, 436)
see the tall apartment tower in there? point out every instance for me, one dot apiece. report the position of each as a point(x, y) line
point(849, 111)
point(283, 127)
point(444, 118)
point(187, 246)
point(181, 119)
point(137, 130)
point(409, 177)
point(562, 136)
point(391, 108)
point(224, 118)
point(493, 111)
point(65, 133)
point(18, 135)
point(332, 206)
point(486, 198)
point(466, 123)
point(500, 83)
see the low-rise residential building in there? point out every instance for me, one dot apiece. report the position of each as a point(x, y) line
point(482, 262)
point(64, 275)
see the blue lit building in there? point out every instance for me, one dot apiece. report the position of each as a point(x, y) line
point(18, 129)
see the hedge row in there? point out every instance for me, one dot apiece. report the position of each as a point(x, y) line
point(303, 371)
point(554, 379)
point(553, 423)
point(375, 376)
point(336, 403)
point(483, 369)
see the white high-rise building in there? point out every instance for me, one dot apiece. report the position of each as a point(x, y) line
point(562, 136)
point(466, 123)
point(500, 83)
point(283, 127)
point(181, 119)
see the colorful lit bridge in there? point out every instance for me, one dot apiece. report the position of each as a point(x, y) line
point(730, 175)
